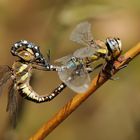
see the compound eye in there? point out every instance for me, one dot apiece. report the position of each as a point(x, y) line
point(119, 44)
point(113, 42)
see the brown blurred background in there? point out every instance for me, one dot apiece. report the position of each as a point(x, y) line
point(113, 113)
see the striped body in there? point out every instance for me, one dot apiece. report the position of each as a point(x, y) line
point(22, 74)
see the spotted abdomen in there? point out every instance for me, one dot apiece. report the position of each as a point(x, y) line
point(28, 93)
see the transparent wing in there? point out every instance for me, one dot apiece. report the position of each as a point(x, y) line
point(64, 60)
point(82, 34)
point(12, 105)
point(5, 74)
point(85, 52)
point(76, 79)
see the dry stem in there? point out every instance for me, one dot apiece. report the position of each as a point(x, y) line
point(72, 105)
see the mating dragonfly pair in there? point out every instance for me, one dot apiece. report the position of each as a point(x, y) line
point(73, 71)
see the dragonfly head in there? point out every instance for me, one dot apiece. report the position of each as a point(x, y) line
point(114, 46)
point(28, 52)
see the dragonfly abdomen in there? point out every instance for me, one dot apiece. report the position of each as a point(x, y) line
point(26, 91)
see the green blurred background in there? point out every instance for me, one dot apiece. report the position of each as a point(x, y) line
point(113, 113)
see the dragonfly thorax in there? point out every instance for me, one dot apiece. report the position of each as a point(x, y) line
point(21, 72)
point(74, 62)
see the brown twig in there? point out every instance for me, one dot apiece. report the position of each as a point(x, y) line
point(48, 127)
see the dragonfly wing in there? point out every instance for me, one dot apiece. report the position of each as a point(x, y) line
point(77, 80)
point(82, 34)
point(12, 105)
point(64, 60)
point(5, 74)
point(84, 52)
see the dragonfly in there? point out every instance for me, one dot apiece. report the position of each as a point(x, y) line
point(76, 66)
point(18, 76)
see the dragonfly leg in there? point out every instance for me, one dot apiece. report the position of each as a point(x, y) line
point(126, 63)
point(107, 71)
point(98, 66)
point(90, 69)
point(49, 56)
point(121, 59)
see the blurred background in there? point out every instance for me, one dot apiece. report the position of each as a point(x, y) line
point(113, 113)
